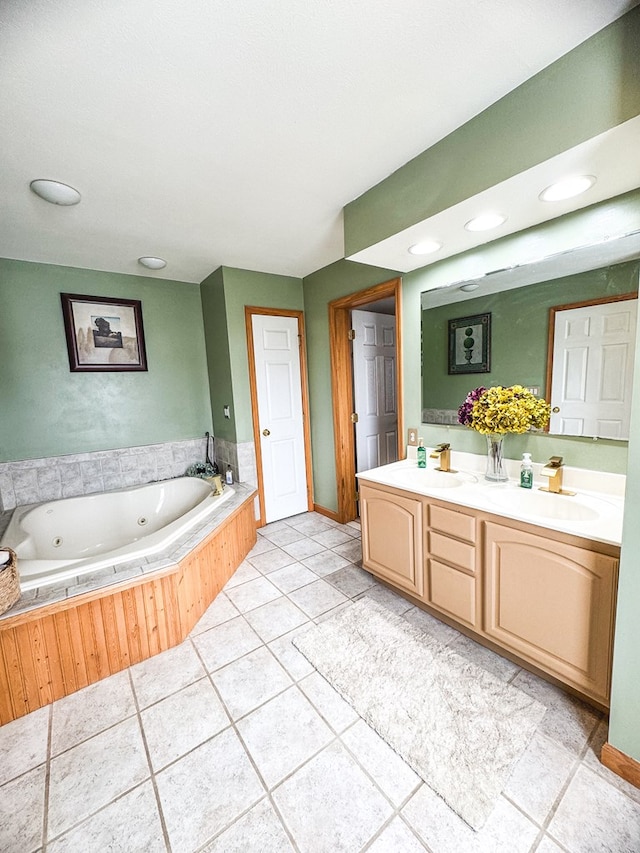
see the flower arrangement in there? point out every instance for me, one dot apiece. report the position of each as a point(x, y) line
point(498, 410)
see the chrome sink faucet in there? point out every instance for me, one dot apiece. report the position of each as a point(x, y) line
point(554, 470)
point(443, 453)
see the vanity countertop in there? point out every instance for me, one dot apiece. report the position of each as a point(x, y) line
point(594, 514)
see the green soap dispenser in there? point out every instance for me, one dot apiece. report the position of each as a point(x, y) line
point(526, 472)
point(422, 454)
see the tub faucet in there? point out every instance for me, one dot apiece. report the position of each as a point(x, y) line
point(443, 453)
point(554, 470)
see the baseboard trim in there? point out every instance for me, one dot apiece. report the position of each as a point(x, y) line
point(623, 765)
point(329, 513)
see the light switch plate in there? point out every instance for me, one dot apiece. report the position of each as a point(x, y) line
point(412, 437)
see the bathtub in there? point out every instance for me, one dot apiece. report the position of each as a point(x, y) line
point(64, 539)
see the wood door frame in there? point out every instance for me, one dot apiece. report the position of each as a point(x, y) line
point(342, 386)
point(249, 311)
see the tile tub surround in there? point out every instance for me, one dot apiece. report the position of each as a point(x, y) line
point(241, 457)
point(68, 638)
point(234, 742)
point(31, 481)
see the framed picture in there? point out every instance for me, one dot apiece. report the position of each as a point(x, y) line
point(103, 334)
point(470, 344)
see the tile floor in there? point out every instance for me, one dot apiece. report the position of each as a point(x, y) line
point(231, 742)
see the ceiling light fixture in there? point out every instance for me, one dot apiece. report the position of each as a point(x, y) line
point(425, 247)
point(485, 222)
point(468, 288)
point(567, 188)
point(55, 192)
point(152, 263)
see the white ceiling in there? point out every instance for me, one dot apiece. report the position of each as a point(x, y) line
point(210, 132)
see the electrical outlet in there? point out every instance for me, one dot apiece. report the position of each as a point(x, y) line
point(535, 390)
point(412, 437)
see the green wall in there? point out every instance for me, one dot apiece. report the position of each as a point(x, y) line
point(224, 296)
point(214, 314)
point(519, 332)
point(49, 411)
point(320, 288)
point(592, 88)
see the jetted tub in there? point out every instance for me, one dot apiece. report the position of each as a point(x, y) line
point(63, 539)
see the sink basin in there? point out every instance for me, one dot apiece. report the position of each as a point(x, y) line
point(561, 507)
point(429, 478)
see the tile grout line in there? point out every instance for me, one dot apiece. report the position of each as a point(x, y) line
point(152, 775)
point(47, 782)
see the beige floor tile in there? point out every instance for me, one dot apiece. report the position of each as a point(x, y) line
point(595, 816)
point(183, 721)
point(23, 744)
point(90, 775)
point(131, 824)
point(348, 813)
point(225, 643)
point(259, 831)
point(22, 812)
point(163, 674)
point(204, 792)
point(282, 734)
point(250, 681)
point(91, 710)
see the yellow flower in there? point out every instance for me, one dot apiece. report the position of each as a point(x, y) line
point(499, 410)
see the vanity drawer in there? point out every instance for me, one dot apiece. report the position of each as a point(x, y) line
point(453, 551)
point(453, 592)
point(457, 524)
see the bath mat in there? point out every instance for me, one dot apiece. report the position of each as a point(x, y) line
point(458, 726)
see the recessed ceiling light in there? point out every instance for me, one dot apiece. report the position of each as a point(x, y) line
point(152, 263)
point(55, 192)
point(425, 247)
point(468, 288)
point(567, 188)
point(485, 222)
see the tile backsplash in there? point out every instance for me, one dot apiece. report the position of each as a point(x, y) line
point(35, 480)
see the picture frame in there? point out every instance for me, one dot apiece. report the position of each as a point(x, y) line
point(470, 344)
point(103, 334)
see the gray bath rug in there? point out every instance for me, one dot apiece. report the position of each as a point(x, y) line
point(458, 726)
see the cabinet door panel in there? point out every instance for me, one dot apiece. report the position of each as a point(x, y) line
point(453, 592)
point(551, 603)
point(392, 538)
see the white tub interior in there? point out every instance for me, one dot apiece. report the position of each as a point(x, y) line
point(64, 539)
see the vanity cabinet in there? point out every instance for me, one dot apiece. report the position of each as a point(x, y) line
point(545, 597)
point(392, 537)
point(551, 603)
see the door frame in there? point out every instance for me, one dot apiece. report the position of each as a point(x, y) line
point(249, 311)
point(342, 387)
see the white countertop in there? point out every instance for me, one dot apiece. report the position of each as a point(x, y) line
point(590, 514)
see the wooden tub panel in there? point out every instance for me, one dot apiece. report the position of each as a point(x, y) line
point(53, 651)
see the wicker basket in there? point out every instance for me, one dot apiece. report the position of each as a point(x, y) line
point(9, 581)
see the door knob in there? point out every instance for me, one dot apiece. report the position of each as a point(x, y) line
point(266, 432)
point(555, 410)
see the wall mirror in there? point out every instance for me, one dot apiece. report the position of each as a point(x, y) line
point(519, 301)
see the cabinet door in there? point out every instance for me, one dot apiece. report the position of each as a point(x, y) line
point(392, 538)
point(552, 604)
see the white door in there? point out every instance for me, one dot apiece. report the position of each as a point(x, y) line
point(592, 375)
point(276, 352)
point(374, 389)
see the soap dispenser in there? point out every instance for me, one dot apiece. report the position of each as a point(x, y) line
point(421, 454)
point(526, 471)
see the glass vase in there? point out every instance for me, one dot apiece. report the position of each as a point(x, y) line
point(495, 462)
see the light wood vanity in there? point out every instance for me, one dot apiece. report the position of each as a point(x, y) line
point(543, 597)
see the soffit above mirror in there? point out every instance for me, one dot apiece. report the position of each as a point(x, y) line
point(611, 157)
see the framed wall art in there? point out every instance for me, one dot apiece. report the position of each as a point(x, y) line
point(470, 344)
point(103, 334)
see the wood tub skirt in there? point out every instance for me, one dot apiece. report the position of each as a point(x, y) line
point(49, 652)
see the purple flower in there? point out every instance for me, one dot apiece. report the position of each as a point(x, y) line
point(466, 409)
